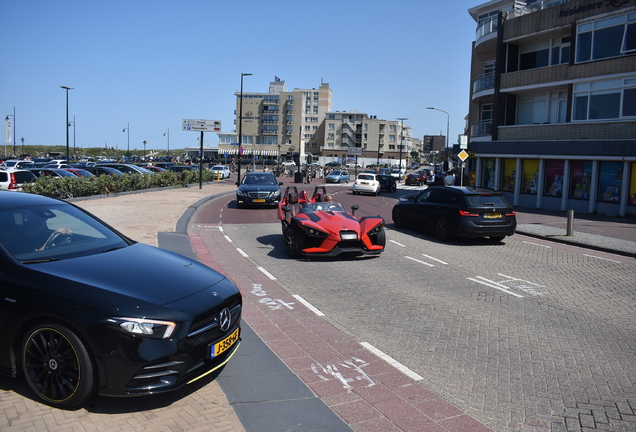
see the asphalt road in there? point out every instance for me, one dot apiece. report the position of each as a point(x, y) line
point(519, 333)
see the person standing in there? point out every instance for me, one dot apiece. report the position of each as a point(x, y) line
point(449, 180)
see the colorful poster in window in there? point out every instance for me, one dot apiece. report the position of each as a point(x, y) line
point(610, 182)
point(554, 177)
point(632, 185)
point(488, 176)
point(581, 179)
point(530, 176)
point(508, 174)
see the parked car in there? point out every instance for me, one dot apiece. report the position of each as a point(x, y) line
point(57, 164)
point(366, 183)
point(52, 172)
point(103, 170)
point(454, 211)
point(73, 332)
point(387, 182)
point(338, 176)
point(182, 168)
point(154, 169)
point(222, 171)
point(80, 172)
point(315, 226)
point(414, 179)
point(164, 165)
point(125, 168)
point(12, 179)
point(17, 163)
point(332, 164)
point(397, 173)
point(258, 189)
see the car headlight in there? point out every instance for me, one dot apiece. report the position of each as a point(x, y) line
point(155, 329)
point(240, 193)
point(312, 232)
point(376, 230)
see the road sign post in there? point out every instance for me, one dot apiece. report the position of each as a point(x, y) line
point(199, 125)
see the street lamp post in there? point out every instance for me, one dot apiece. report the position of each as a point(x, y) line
point(401, 144)
point(240, 129)
point(145, 150)
point(127, 129)
point(13, 127)
point(22, 139)
point(447, 130)
point(67, 124)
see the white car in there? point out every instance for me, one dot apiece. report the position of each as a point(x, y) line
point(12, 179)
point(222, 170)
point(366, 183)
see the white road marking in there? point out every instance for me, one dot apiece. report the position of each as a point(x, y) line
point(494, 285)
point(419, 261)
point(390, 360)
point(308, 305)
point(242, 253)
point(266, 273)
point(435, 259)
point(399, 244)
point(537, 244)
point(604, 259)
point(228, 239)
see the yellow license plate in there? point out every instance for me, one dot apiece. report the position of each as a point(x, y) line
point(259, 200)
point(364, 183)
point(492, 215)
point(225, 344)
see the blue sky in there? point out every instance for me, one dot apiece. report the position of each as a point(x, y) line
point(152, 64)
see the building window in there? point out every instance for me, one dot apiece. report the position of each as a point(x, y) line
point(560, 51)
point(554, 177)
point(270, 140)
point(605, 38)
point(534, 55)
point(530, 181)
point(331, 136)
point(610, 182)
point(581, 179)
point(610, 99)
point(391, 138)
point(331, 126)
point(392, 128)
point(508, 174)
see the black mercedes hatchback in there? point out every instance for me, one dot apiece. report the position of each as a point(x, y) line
point(85, 310)
point(454, 211)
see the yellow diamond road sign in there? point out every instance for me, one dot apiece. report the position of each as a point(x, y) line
point(463, 155)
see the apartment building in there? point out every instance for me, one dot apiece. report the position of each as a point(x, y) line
point(552, 114)
point(277, 122)
point(351, 133)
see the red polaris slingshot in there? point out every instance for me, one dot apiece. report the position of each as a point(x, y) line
point(315, 226)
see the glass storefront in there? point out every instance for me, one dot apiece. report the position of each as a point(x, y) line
point(530, 180)
point(581, 179)
point(488, 177)
point(554, 177)
point(508, 174)
point(632, 185)
point(610, 182)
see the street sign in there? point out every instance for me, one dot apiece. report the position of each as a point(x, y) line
point(356, 151)
point(201, 125)
point(463, 155)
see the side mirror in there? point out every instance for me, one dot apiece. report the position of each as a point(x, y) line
point(354, 208)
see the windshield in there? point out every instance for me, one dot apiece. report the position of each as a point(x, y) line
point(259, 179)
point(325, 206)
point(54, 232)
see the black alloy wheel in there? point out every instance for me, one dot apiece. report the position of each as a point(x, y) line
point(397, 218)
point(442, 229)
point(57, 366)
point(294, 241)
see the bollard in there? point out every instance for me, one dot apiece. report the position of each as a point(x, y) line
point(570, 228)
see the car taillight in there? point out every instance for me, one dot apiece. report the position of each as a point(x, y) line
point(12, 184)
point(512, 213)
point(467, 213)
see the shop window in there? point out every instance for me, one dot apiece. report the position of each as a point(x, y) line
point(554, 177)
point(581, 179)
point(632, 185)
point(610, 182)
point(508, 174)
point(530, 176)
point(488, 176)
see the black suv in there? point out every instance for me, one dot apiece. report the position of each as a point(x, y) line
point(258, 189)
point(454, 211)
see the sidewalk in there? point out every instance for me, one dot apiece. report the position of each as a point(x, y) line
point(605, 233)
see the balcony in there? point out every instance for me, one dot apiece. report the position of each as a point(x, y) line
point(484, 85)
point(481, 128)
